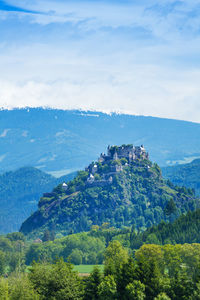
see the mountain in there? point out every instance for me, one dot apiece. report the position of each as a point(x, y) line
point(63, 141)
point(185, 175)
point(19, 194)
point(186, 229)
point(123, 188)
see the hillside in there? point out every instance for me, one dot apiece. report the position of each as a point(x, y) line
point(19, 194)
point(186, 229)
point(123, 188)
point(185, 175)
point(64, 141)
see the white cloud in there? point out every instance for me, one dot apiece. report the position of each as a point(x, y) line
point(25, 133)
point(175, 95)
point(139, 57)
point(2, 157)
point(4, 133)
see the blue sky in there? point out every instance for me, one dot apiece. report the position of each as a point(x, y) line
point(140, 57)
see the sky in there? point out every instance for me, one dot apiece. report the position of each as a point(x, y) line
point(140, 57)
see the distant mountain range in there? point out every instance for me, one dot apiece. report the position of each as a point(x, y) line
point(63, 141)
point(185, 175)
point(20, 191)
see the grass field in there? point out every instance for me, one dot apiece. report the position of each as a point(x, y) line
point(87, 268)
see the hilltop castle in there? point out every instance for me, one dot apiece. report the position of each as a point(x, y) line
point(101, 173)
point(128, 152)
point(113, 159)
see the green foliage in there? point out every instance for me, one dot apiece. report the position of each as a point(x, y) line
point(57, 281)
point(137, 194)
point(155, 273)
point(2, 262)
point(4, 290)
point(21, 289)
point(48, 235)
point(186, 229)
point(185, 175)
point(107, 289)
point(170, 207)
point(115, 257)
point(81, 248)
point(92, 283)
point(135, 290)
point(162, 296)
point(76, 256)
point(16, 236)
point(20, 191)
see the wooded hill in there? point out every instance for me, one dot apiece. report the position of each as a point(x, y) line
point(20, 191)
point(137, 195)
point(185, 175)
point(186, 229)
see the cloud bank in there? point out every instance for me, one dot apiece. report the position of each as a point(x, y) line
point(137, 57)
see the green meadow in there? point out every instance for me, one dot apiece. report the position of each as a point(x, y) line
point(87, 268)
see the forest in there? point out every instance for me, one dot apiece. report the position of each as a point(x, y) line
point(140, 234)
point(154, 272)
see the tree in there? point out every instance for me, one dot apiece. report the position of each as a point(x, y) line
point(76, 256)
point(196, 293)
point(162, 296)
point(151, 253)
point(14, 261)
point(2, 262)
point(182, 287)
point(170, 207)
point(46, 236)
point(16, 236)
point(125, 276)
point(92, 283)
point(56, 281)
point(135, 290)
point(148, 269)
point(107, 289)
point(115, 257)
point(20, 288)
point(172, 259)
point(4, 290)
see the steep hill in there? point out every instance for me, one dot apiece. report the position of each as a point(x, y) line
point(19, 194)
point(185, 175)
point(56, 140)
point(122, 188)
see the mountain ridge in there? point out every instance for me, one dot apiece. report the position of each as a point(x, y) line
point(185, 175)
point(70, 139)
point(19, 194)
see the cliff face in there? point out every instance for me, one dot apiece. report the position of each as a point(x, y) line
point(133, 193)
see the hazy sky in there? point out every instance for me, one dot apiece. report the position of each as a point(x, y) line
point(140, 57)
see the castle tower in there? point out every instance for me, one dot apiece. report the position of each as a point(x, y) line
point(115, 156)
point(94, 169)
point(108, 151)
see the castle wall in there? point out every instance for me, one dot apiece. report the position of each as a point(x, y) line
point(98, 183)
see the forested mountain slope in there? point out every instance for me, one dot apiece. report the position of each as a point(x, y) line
point(114, 191)
point(185, 175)
point(186, 229)
point(19, 194)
